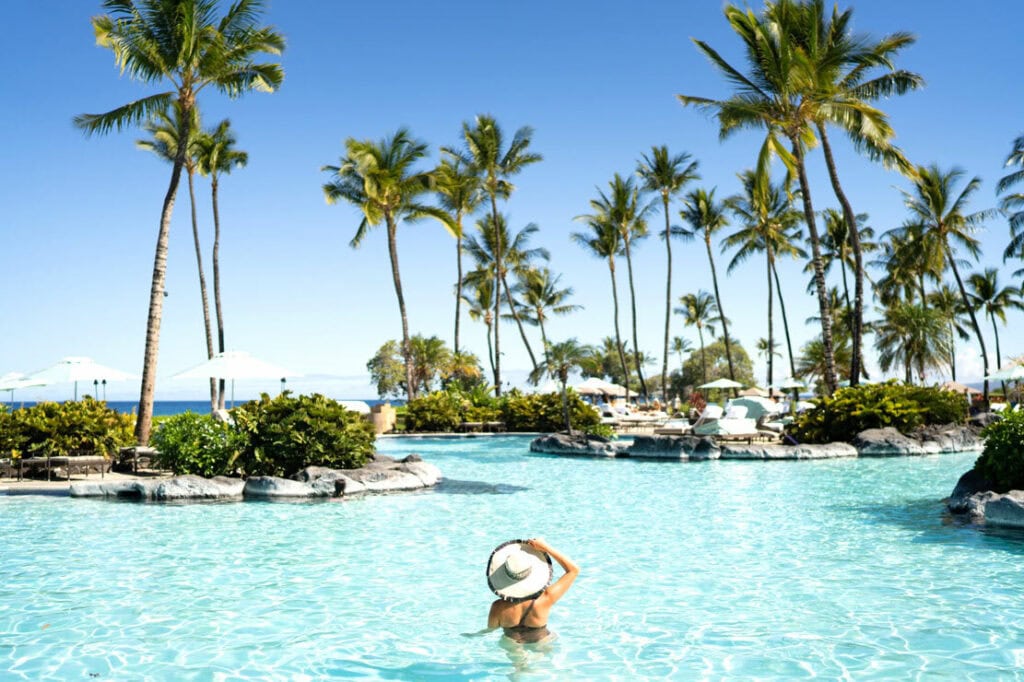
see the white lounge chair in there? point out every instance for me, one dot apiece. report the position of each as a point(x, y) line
point(734, 423)
point(681, 427)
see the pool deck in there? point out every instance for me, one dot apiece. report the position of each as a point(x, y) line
point(62, 488)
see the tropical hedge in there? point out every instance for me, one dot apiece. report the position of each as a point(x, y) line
point(270, 437)
point(52, 429)
point(1002, 460)
point(443, 411)
point(848, 411)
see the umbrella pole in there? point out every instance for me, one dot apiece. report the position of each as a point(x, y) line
point(232, 394)
point(76, 396)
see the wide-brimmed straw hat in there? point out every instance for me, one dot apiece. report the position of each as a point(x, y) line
point(518, 571)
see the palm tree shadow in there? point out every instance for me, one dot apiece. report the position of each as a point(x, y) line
point(931, 522)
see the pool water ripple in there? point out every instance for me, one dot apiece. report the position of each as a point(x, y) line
point(777, 570)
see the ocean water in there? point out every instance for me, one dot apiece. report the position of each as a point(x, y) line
point(840, 569)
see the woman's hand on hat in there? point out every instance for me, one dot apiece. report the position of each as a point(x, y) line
point(538, 543)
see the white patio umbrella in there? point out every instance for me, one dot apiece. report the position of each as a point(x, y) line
point(722, 383)
point(12, 381)
point(789, 383)
point(1012, 373)
point(235, 364)
point(75, 369)
point(596, 386)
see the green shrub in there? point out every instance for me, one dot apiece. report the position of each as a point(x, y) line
point(852, 410)
point(286, 434)
point(191, 443)
point(86, 426)
point(543, 412)
point(437, 411)
point(1002, 460)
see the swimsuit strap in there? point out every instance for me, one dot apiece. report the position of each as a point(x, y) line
point(522, 621)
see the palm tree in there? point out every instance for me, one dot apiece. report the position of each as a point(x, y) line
point(540, 296)
point(705, 218)
point(681, 345)
point(458, 191)
point(379, 179)
point(666, 174)
point(163, 128)
point(768, 225)
point(486, 156)
point(937, 215)
point(478, 294)
point(701, 311)
point(494, 249)
point(559, 361)
point(774, 97)
point(1012, 203)
point(622, 207)
point(217, 155)
point(909, 259)
point(605, 241)
point(947, 301)
point(184, 43)
point(995, 300)
point(838, 92)
point(767, 350)
point(913, 335)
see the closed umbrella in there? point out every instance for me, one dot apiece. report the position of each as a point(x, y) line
point(233, 365)
point(75, 369)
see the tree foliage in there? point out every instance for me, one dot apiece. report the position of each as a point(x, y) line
point(718, 364)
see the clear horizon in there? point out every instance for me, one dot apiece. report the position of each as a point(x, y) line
point(596, 81)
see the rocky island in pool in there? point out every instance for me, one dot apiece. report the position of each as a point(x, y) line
point(382, 474)
point(885, 442)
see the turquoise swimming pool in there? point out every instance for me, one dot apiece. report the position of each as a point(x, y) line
point(833, 569)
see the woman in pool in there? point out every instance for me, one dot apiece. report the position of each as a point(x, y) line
point(519, 572)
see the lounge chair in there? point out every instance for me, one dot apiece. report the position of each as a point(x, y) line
point(733, 423)
point(682, 427)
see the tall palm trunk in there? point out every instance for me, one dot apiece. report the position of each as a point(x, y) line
point(785, 322)
point(406, 346)
point(858, 260)
point(771, 339)
point(565, 406)
point(156, 297)
point(703, 357)
point(668, 298)
point(497, 297)
point(618, 335)
point(970, 311)
point(458, 284)
point(999, 355)
point(202, 283)
point(721, 312)
point(632, 301)
point(543, 334)
point(952, 351)
point(819, 271)
point(216, 283)
point(490, 344)
point(518, 321)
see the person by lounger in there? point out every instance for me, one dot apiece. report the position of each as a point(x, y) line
point(520, 573)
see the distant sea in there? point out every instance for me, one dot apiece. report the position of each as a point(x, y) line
point(168, 407)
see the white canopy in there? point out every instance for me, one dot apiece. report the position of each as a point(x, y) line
point(235, 364)
point(75, 369)
point(596, 386)
point(722, 383)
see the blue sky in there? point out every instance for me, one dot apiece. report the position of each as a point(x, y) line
point(596, 80)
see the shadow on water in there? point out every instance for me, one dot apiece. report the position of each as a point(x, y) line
point(448, 486)
point(931, 522)
point(424, 670)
